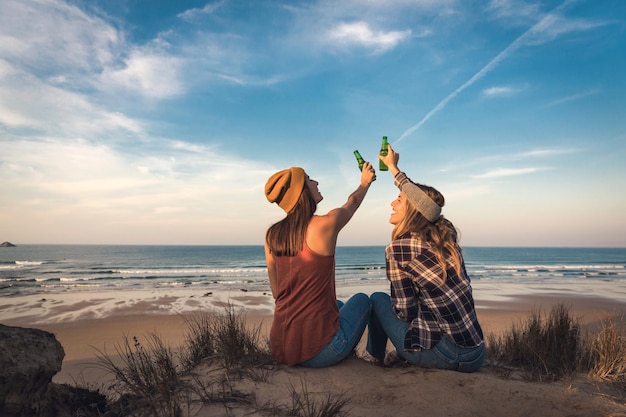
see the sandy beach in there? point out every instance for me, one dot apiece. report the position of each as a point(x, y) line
point(86, 323)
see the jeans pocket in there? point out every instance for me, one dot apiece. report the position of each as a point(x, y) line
point(443, 358)
point(473, 365)
point(339, 346)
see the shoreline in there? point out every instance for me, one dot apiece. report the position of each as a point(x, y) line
point(85, 322)
point(70, 306)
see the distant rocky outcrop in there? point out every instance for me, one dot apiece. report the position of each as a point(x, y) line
point(29, 358)
point(7, 245)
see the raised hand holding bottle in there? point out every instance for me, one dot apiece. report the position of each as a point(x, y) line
point(383, 152)
point(361, 162)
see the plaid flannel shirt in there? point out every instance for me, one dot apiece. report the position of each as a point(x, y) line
point(433, 309)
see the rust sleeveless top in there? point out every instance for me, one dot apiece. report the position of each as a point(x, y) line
point(306, 316)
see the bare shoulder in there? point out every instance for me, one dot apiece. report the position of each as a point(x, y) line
point(327, 220)
point(319, 222)
point(321, 235)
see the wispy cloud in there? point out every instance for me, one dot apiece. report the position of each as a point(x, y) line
point(502, 91)
point(360, 34)
point(68, 148)
point(507, 172)
point(458, 192)
point(554, 26)
point(147, 73)
point(371, 27)
point(62, 70)
point(86, 176)
point(50, 37)
point(27, 101)
point(512, 9)
point(546, 29)
point(573, 97)
point(194, 13)
point(533, 155)
point(545, 153)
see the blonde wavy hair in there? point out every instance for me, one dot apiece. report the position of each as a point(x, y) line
point(441, 236)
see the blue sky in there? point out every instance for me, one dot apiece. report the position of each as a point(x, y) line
point(158, 122)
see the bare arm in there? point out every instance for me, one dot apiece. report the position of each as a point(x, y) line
point(323, 230)
point(344, 213)
point(416, 195)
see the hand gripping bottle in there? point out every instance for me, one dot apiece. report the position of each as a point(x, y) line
point(383, 152)
point(361, 161)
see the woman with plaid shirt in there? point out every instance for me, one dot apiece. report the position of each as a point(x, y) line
point(430, 316)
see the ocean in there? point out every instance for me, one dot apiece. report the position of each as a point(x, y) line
point(43, 269)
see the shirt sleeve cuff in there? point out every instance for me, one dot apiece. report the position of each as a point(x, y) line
point(400, 179)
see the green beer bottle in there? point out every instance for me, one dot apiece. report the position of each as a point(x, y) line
point(359, 159)
point(383, 152)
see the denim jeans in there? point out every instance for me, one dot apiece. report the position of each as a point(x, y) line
point(384, 324)
point(354, 315)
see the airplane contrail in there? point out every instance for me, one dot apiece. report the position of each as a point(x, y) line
point(539, 27)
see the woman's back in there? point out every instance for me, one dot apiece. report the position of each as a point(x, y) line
point(306, 315)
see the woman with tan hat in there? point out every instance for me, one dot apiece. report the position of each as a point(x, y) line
point(311, 327)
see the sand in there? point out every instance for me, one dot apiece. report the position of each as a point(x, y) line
point(86, 324)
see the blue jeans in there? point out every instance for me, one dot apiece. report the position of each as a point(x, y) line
point(354, 315)
point(384, 324)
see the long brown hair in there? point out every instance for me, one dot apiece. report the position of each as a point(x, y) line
point(286, 237)
point(441, 236)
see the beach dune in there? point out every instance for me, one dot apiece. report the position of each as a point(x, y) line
point(372, 391)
